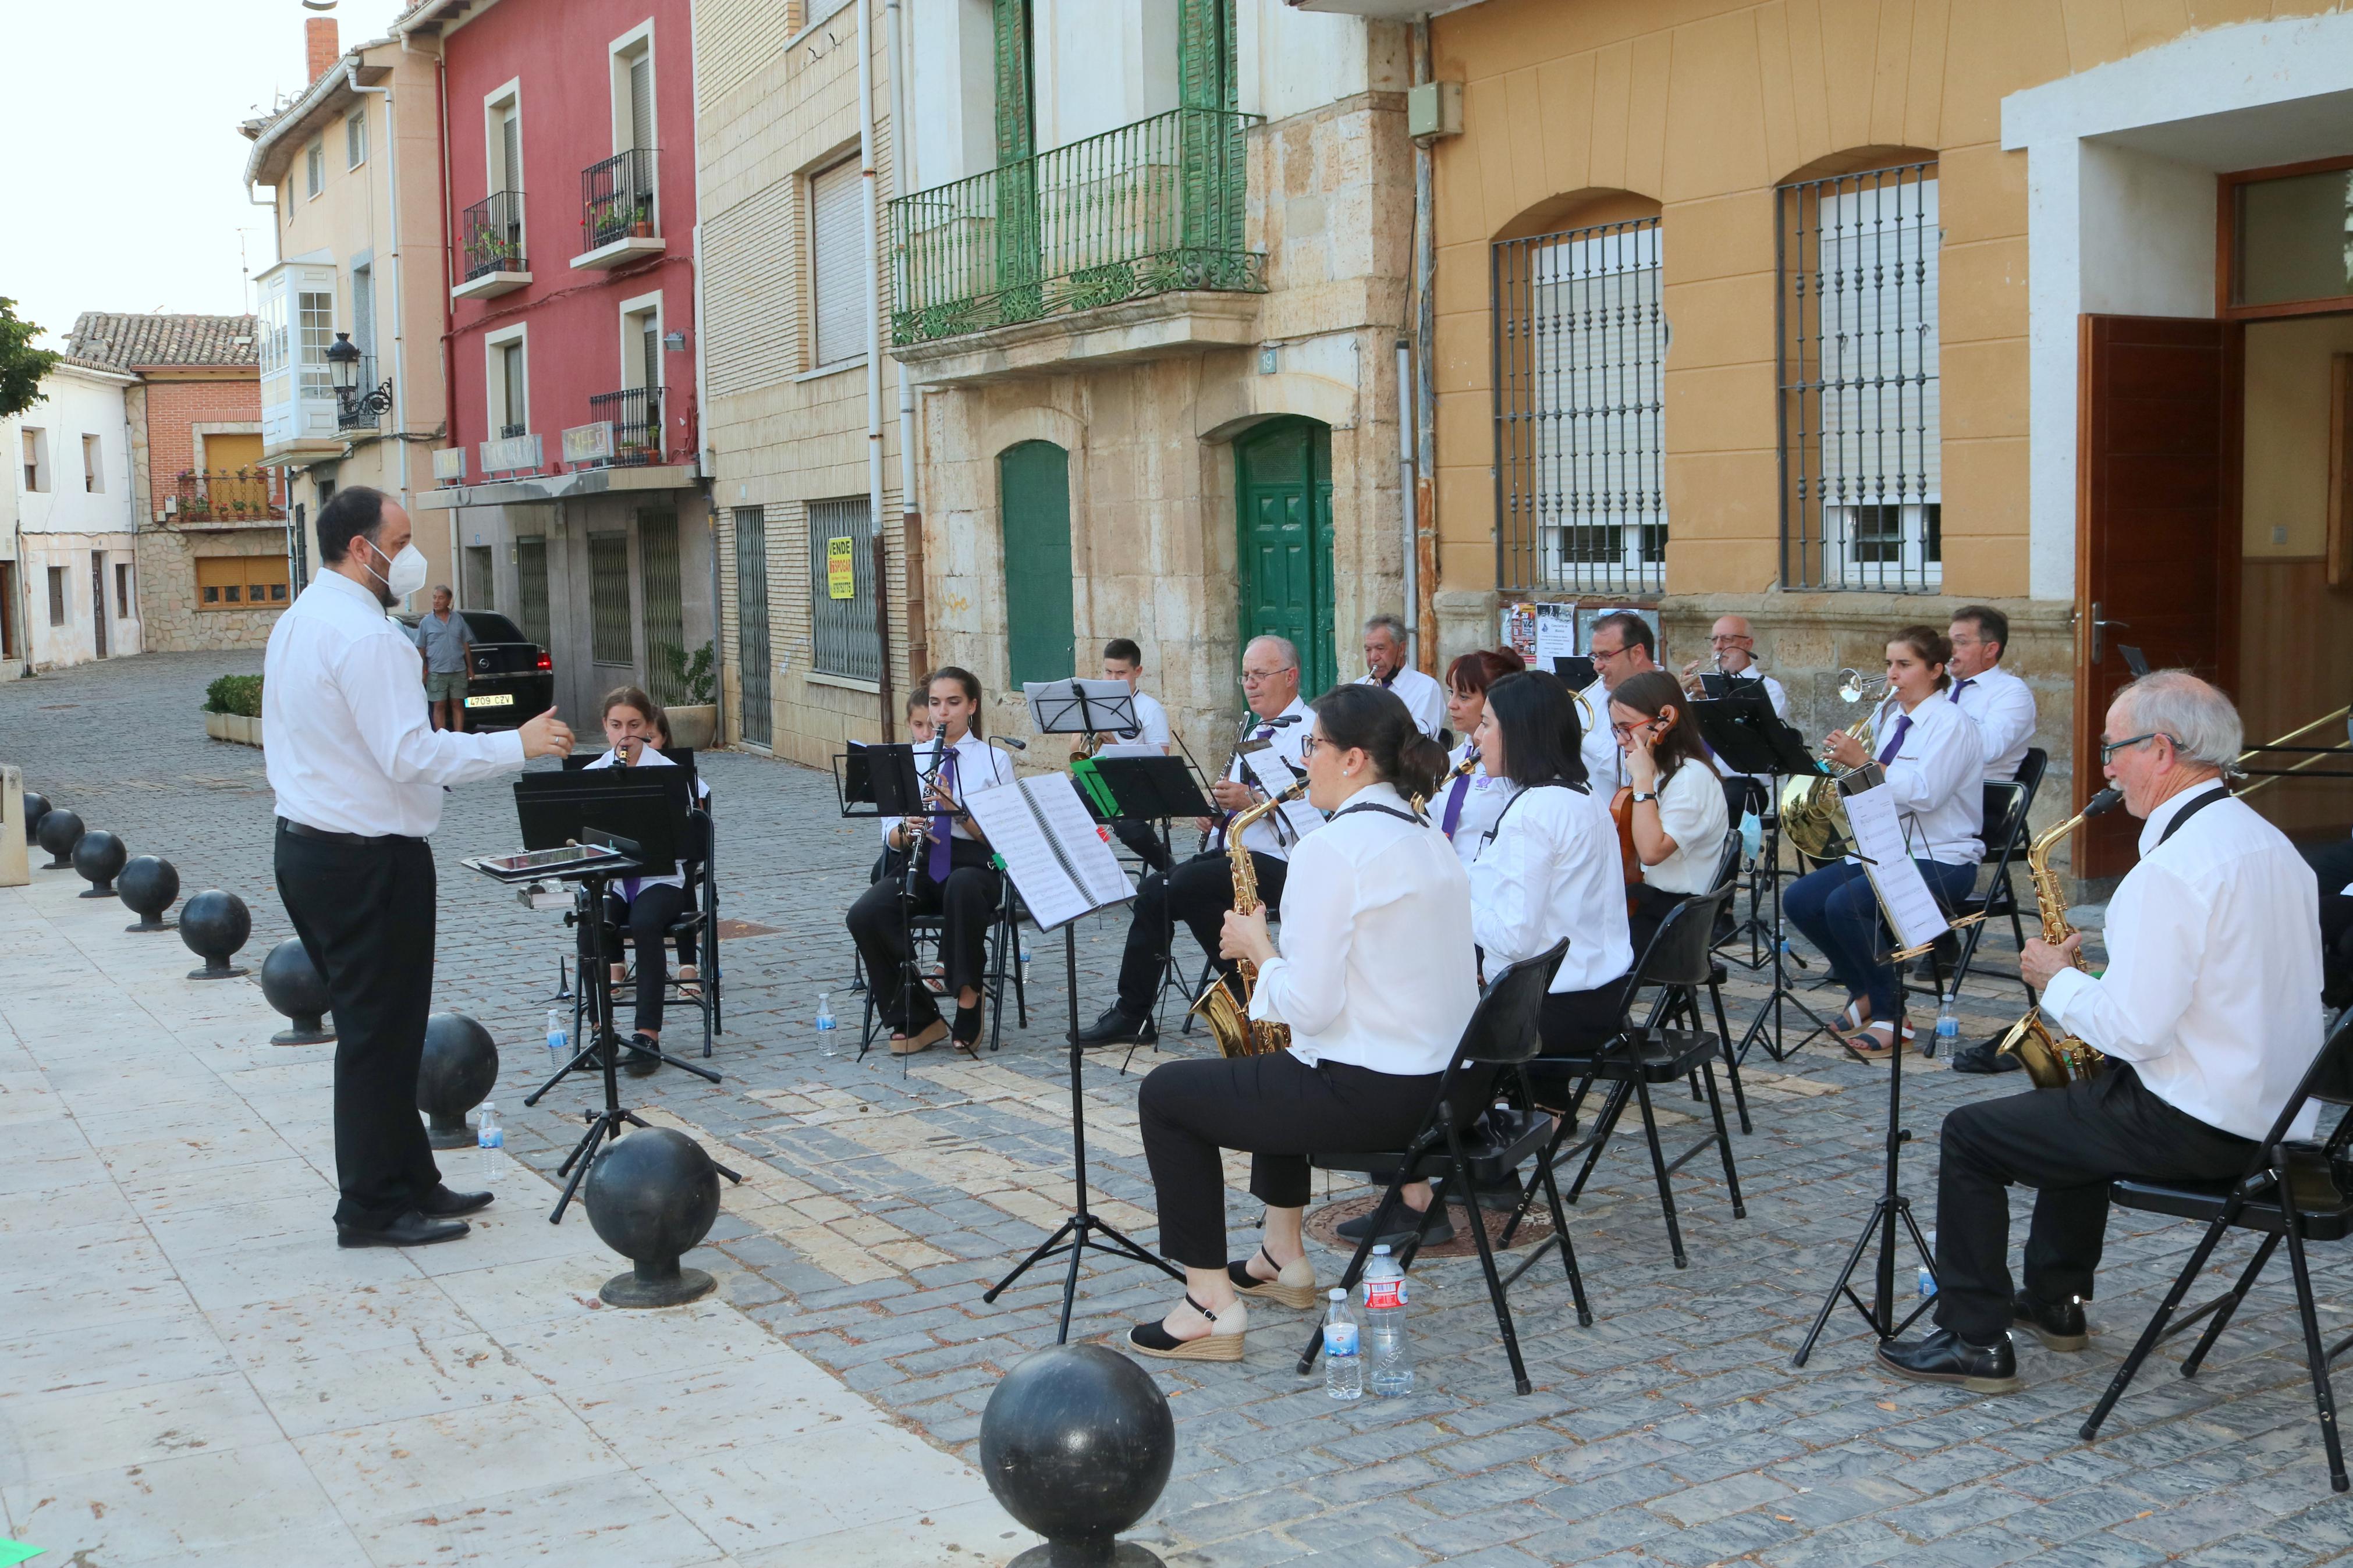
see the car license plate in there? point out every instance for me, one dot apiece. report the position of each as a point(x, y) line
point(495, 700)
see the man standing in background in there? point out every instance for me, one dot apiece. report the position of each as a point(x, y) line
point(441, 635)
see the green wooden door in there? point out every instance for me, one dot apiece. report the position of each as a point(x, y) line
point(1033, 487)
point(1282, 487)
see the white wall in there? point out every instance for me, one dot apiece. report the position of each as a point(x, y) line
point(951, 90)
point(2147, 235)
point(1292, 61)
point(63, 524)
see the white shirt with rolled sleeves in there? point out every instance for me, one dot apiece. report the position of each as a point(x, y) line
point(350, 749)
point(1287, 742)
point(1376, 967)
point(1423, 698)
point(2003, 708)
point(1552, 870)
point(2212, 989)
point(1934, 780)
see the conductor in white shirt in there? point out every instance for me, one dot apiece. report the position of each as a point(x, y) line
point(1385, 666)
point(358, 772)
point(2209, 1013)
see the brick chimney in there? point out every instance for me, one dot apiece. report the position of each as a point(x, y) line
point(319, 42)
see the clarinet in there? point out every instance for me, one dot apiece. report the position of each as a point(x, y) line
point(1218, 825)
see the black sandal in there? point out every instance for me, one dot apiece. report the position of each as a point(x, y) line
point(1152, 1340)
point(1291, 1294)
point(964, 1034)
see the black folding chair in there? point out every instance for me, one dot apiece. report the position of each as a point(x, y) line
point(1000, 966)
point(2295, 1190)
point(2008, 836)
point(1463, 1147)
point(1645, 1054)
point(697, 926)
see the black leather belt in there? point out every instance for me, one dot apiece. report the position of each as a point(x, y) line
point(304, 830)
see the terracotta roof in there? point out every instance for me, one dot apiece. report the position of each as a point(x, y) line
point(137, 343)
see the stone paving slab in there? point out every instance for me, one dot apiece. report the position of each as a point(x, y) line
point(885, 1197)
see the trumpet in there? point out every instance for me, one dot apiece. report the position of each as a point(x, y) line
point(1689, 677)
point(1854, 686)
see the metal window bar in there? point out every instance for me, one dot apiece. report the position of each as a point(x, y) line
point(615, 196)
point(610, 639)
point(636, 414)
point(752, 650)
point(1148, 208)
point(355, 414)
point(1861, 449)
point(494, 231)
point(530, 588)
point(665, 606)
point(843, 628)
point(1580, 359)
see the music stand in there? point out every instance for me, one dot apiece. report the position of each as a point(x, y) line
point(1082, 707)
point(634, 816)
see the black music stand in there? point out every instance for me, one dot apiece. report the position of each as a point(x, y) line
point(1746, 732)
point(891, 778)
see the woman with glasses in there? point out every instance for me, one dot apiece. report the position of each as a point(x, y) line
point(1934, 762)
point(1375, 978)
point(1468, 804)
point(1676, 799)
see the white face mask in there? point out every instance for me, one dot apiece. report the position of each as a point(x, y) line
point(408, 571)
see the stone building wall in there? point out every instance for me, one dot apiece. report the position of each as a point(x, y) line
point(167, 593)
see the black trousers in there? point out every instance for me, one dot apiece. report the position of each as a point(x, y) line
point(1138, 836)
point(966, 905)
point(1274, 1108)
point(1647, 909)
point(1195, 894)
point(2068, 1145)
point(648, 916)
point(365, 913)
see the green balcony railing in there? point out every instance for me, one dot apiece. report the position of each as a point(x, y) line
point(1149, 209)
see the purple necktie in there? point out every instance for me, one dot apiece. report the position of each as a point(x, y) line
point(1896, 741)
point(941, 821)
point(1453, 817)
point(1959, 687)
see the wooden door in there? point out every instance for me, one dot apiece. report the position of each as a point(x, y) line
point(1283, 495)
point(2157, 542)
point(1034, 496)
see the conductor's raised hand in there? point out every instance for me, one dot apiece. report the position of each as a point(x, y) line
point(546, 736)
point(1244, 936)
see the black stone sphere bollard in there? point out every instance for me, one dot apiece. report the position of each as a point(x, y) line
point(652, 1196)
point(99, 858)
point(148, 884)
point(61, 831)
point(297, 989)
point(36, 806)
point(215, 925)
point(1077, 1443)
point(459, 1068)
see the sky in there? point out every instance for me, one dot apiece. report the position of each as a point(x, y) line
point(125, 115)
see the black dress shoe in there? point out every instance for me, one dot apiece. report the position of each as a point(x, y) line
point(1116, 1028)
point(2058, 1324)
point(643, 1057)
point(1945, 1357)
point(1436, 1228)
point(1984, 1057)
point(443, 1203)
point(411, 1229)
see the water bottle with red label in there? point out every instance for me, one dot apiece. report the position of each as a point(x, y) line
point(1389, 1356)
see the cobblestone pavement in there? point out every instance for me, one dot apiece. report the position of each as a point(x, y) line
point(882, 1200)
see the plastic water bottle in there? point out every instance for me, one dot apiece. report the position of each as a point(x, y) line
point(1927, 1277)
point(1025, 963)
point(556, 1038)
point(1386, 1346)
point(491, 1141)
point(823, 1022)
point(1948, 1027)
point(1343, 1362)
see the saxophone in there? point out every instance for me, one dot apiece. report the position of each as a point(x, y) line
point(1224, 1003)
point(2053, 1060)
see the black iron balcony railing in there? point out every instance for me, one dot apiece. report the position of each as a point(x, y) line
point(494, 231)
point(363, 407)
point(256, 495)
point(617, 199)
point(636, 415)
point(1150, 208)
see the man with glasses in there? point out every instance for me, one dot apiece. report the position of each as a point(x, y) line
point(1998, 702)
point(1385, 666)
point(2209, 1013)
point(1734, 655)
point(1621, 647)
point(1199, 891)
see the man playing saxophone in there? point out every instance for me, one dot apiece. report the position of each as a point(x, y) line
point(2209, 1013)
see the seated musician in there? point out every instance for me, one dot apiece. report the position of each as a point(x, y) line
point(1934, 763)
point(893, 863)
point(635, 727)
point(1469, 802)
point(1679, 814)
point(1199, 892)
point(1123, 660)
point(1733, 651)
point(1376, 981)
point(952, 878)
point(1386, 666)
point(1622, 646)
point(2208, 1015)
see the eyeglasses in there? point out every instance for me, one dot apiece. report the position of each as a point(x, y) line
point(1252, 676)
point(2108, 749)
point(1623, 731)
point(1732, 641)
point(1307, 747)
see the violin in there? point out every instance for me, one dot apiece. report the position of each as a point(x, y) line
point(1621, 812)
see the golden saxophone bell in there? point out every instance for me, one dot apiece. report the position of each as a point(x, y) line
point(1224, 1003)
point(2052, 1059)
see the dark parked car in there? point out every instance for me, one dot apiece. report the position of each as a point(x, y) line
point(512, 680)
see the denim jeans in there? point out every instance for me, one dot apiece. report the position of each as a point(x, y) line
point(1840, 914)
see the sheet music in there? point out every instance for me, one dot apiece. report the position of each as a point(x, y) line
point(1049, 844)
point(1274, 776)
point(1902, 892)
point(1086, 847)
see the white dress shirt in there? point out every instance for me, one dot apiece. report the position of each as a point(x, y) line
point(1152, 722)
point(979, 766)
point(1287, 742)
point(1552, 870)
point(2003, 708)
point(2212, 989)
point(1936, 780)
point(1377, 967)
point(1692, 813)
point(1605, 766)
point(342, 707)
point(650, 757)
point(1482, 801)
point(1423, 698)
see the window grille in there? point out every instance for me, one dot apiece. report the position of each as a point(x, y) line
point(846, 643)
point(609, 638)
point(752, 653)
point(665, 611)
point(1862, 472)
point(531, 587)
point(1580, 347)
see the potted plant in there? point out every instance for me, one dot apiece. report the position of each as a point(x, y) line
point(693, 724)
point(641, 223)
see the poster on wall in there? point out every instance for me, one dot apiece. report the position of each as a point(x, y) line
point(1540, 632)
point(840, 569)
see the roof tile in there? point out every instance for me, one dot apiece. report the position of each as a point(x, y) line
point(137, 343)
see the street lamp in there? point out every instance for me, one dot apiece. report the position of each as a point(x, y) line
point(343, 365)
point(353, 408)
